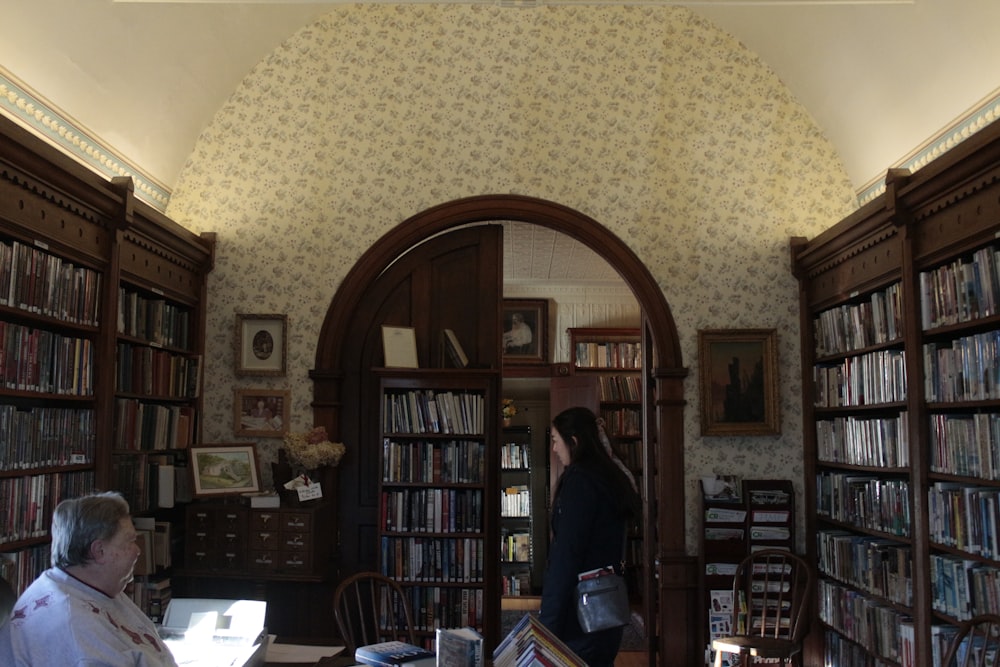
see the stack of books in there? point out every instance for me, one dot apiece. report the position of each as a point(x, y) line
point(531, 643)
point(394, 654)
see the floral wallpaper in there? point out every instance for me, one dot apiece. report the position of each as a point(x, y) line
point(648, 119)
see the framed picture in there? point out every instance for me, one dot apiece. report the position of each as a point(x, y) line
point(261, 412)
point(261, 344)
point(399, 347)
point(739, 382)
point(224, 469)
point(525, 331)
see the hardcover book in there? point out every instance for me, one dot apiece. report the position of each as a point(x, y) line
point(459, 647)
point(394, 654)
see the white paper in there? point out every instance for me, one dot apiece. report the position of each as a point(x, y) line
point(299, 652)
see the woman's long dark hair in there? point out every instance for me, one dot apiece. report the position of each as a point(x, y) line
point(579, 430)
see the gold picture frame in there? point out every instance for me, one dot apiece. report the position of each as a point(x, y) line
point(224, 469)
point(261, 413)
point(738, 372)
point(261, 344)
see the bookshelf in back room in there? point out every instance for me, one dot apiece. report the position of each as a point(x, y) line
point(614, 357)
point(68, 241)
point(738, 518)
point(517, 565)
point(901, 378)
point(439, 496)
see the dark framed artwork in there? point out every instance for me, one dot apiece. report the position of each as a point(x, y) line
point(525, 331)
point(261, 413)
point(223, 469)
point(261, 344)
point(738, 370)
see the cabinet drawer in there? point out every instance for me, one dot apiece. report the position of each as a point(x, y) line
point(265, 520)
point(300, 562)
point(296, 521)
point(263, 561)
point(262, 539)
point(296, 542)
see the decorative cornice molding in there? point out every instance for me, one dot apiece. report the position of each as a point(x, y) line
point(968, 124)
point(29, 109)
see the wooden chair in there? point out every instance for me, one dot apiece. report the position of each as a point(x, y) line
point(371, 608)
point(979, 633)
point(771, 592)
point(7, 600)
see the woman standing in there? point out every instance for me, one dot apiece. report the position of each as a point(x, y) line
point(594, 502)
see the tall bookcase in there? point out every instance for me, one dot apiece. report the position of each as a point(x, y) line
point(900, 324)
point(439, 496)
point(517, 511)
point(73, 247)
point(614, 357)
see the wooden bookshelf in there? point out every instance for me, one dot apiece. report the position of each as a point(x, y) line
point(518, 510)
point(899, 327)
point(439, 496)
point(70, 244)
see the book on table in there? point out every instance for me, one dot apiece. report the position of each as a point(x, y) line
point(530, 643)
point(459, 647)
point(394, 654)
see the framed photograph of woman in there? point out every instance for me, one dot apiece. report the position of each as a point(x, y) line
point(262, 413)
point(525, 331)
point(739, 382)
point(261, 344)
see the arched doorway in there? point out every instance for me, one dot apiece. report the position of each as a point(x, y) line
point(675, 577)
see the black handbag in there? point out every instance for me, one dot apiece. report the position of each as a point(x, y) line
point(602, 600)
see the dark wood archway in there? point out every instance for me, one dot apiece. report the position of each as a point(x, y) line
point(676, 580)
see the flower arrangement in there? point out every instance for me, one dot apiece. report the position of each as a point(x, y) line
point(313, 449)
point(509, 409)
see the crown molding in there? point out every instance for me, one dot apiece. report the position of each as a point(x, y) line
point(31, 111)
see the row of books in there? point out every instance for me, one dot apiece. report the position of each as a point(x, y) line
point(433, 559)
point(44, 437)
point(966, 444)
point(515, 501)
point(855, 326)
point(629, 452)
point(619, 388)
point(516, 583)
point(961, 291)
point(865, 501)
point(879, 441)
point(35, 281)
point(622, 421)
point(154, 372)
point(150, 482)
point(45, 361)
point(26, 503)
point(515, 456)
point(608, 355)
point(868, 379)
point(447, 462)
point(152, 595)
point(152, 426)
point(153, 319)
point(964, 369)
point(879, 566)
point(963, 588)
point(872, 624)
point(942, 636)
point(965, 517)
point(515, 547)
point(427, 411)
point(446, 607)
point(433, 510)
point(20, 568)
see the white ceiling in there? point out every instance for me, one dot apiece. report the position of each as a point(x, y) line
point(881, 77)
